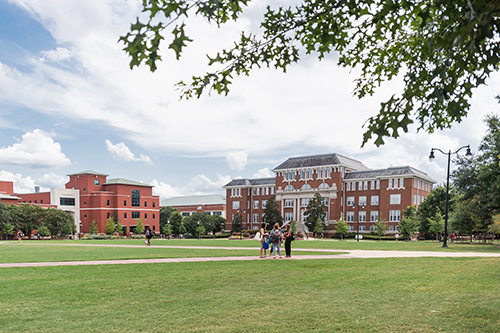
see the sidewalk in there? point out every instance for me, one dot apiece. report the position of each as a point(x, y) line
point(353, 254)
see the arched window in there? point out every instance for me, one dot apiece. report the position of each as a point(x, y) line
point(289, 188)
point(306, 187)
point(323, 186)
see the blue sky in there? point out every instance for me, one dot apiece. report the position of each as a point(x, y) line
point(69, 103)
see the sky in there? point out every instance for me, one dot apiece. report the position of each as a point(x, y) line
point(69, 103)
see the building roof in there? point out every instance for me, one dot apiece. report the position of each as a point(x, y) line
point(320, 160)
point(211, 199)
point(9, 197)
point(389, 172)
point(251, 182)
point(123, 181)
point(88, 172)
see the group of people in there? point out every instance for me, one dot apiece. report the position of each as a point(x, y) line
point(274, 239)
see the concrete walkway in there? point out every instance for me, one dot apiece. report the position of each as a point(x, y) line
point(341, 254)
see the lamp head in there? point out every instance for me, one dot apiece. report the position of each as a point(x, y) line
point(468, 154)
point(431, 156)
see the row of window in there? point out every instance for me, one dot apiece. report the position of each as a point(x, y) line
point(395, 199)
point(421, 185)
point(417, 199)
point(307, 174)
point(372, 228)
point(305, 187)
point(394, 216)
point(304, 202)
point(236, 192)
point(236, 204)
point(208, 213)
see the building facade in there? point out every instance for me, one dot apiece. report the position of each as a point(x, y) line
point(349, 189)
point(213, 204)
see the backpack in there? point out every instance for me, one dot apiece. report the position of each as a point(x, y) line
point(275, 236)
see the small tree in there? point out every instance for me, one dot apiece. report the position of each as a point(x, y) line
point(272, 214)
point(182, 229)
point(436, 224)
point(409, 223)
point(237, 226)
point(319, 227)
point(93, 228)
point(139, 229)
point(315, 211)
point(200, 229)
point(293, 226)
point(6, 227)
point(43, 231)
point(342, 228)
point(494, 228)
point(176, 222)
point(110, 226)
point(381, 228)
point(167, 229)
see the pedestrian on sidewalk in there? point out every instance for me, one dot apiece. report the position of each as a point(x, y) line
point(149, 235)
point(276, 238)
point(263, 241)
point(20, 236)
point(289, 237)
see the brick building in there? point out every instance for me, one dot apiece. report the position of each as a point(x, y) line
point(212, 204)
point(101, 197)
point(7, 193)
point(349, 189)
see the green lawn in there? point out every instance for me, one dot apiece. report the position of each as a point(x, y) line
point(354, 295)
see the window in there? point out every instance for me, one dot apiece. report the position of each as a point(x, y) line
point(391, 228)
point(372, 228)
point(288, 216)
point(351, 228)
point(349, 217)
point(395, 199)
point(125, 216)
point(362, 216)
point(218, 213)
point(362, 201)
point(145, 203)
point(264, 204)
point(185, 214)
point(305, 202)
point(374, 216)
point(401, 182)
point(257, 191)
point(107, 215)
point(362, 228)
point(145, 215)
point(84, 189)
point(374, 201)
point(267, 190)
point(236, 205)
point(360, 186)
point(124, 203)
point(289, 188)
point(378, 184)
point(372, 185)
point(272, 190)
point(107, 203)
point(66, 201)
point(288, 202)
point(256, 204)
point(136, 215)
point(96, 182)
point(306, 187)
point(323, 186)
point(394, 215)
point(41, 201)
point(390, 183)
point(154, 204)
point(85, 203)
point(255, 218)
point(348, 186)
point(136, 198)
point(350, 201)
point(365, 185)
point(324, 201)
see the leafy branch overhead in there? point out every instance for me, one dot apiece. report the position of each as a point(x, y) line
point(443, 49)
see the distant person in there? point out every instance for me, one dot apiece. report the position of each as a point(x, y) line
point(276, 238)
point(263, 242)
point(396, 236)
point(149, 235)
point(289, 237)
point(20, 236)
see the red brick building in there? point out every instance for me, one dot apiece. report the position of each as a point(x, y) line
point(212, 204)
point(101, 197)
point(349, 189)
point(7, 193)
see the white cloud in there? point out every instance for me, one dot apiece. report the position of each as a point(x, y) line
point(57, 55)
point(21, 184)
point(50, 180)
point(263, 173)
point(37, 149)
point(198, 185)
point(121, 152)
point(237, 160)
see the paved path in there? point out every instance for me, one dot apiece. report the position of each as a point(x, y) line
point(342, 255)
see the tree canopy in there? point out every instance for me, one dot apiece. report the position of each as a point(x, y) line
point(272, 213)
point(315, 210)
point(442, 49)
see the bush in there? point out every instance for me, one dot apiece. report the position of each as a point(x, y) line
point(251, 232)
point(138, 236)
point(88, 237)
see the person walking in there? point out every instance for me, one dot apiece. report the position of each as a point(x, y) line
point(276, 238)
point(396, 236)
point(288, 241)
point(20, 236)
point(263, 240)
point(149, 235)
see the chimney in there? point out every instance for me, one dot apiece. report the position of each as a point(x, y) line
point(37, 189)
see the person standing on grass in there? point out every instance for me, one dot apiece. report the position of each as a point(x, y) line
point(396, 236)
point(276, 238)
point(20, 236)
point(149, 235)
point(263, 241)
point(288, 241)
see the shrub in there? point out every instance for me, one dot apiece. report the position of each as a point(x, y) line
point(138, 236)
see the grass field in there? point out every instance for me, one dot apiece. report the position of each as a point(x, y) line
point(361, 295)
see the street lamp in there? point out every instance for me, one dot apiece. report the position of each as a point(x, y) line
point(363, 207)
point(198, 230)
point(468, 154)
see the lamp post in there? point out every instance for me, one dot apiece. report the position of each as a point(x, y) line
point(353, 207)
point(468, 154)
point(168, 229)
point(198, 230)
